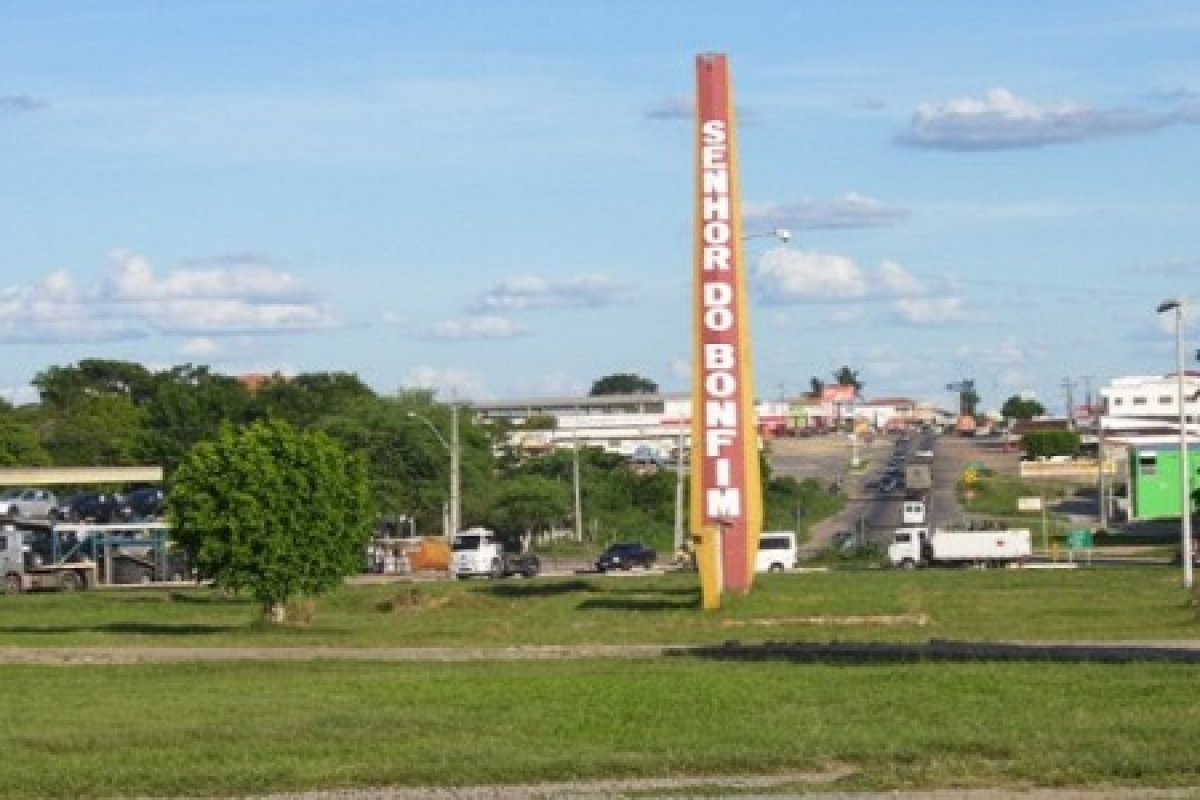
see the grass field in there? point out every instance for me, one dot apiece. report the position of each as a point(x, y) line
point(254, 727)
point(1106, 603)
point(238, 728)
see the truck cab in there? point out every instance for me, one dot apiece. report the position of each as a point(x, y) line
point(776, 551)
point(24, 566)
point(478, 551)
point(908, 547)
point(912, 512)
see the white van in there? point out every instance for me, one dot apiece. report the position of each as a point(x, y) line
point(776, 551)
point(912, 513)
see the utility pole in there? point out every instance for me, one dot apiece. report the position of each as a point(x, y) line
point(1068, 386)
point(575, 480)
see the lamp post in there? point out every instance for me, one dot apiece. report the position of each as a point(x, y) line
point(1185, 472)
point(452, 447)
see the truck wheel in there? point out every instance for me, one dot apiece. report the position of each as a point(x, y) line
point(908, 563)
point(69, 581)
point(12, 584)
point(775, 568)
point(497, 570)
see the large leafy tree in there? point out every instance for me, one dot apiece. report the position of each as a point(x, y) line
point(60, 386)
point(305, 398)
point(96, 430)
point(623, 383)
point(529, 503)
point(190, 404)
point(1017, 407)
point(274, 511)
point(20, 445)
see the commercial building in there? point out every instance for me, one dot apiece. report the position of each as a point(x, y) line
point(660, 423)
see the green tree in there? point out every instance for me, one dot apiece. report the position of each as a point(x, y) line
point(623, 383)
point(274, 511)
point(844, 376)
point(190, 404)
point(307, 397)
point(816, 387)
point(20, 445)
point(96, 430)
point(1038, 444)
point(61, 386)
point(528, 504)
point(969, 402)
point(1018, 407)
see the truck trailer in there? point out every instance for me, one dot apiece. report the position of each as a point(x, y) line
point(24, 566)
point(919, 547)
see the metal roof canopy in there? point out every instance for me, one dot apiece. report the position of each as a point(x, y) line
point(54, 476)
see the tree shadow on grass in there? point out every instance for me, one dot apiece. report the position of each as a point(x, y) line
point(674, 599)
point(124, 628)
point(539, 589)
point(865, 653)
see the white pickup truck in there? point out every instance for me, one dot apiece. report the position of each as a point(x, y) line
point(919, 547)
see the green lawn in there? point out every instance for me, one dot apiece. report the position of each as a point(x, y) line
point(236, 728)
point(222, 728)
point(1099, 603)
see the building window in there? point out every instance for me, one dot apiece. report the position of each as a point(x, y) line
point(1164, 399)
point(1116, 401)
point(1139, 401)
point(1148, 464)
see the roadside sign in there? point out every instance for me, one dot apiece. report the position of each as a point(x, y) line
point(1029, 504)
point(1079, 539)
point(970, 476)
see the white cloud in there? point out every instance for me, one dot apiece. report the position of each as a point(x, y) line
point(1001, 120)
point(789, 276)
point(928, 310)
point(482, 327)
point(851, 210)
point(528, 292)
point(236, 277)
point(132, 301)
point(202, 347)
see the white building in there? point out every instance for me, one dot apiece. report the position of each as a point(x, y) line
point(1149, 404)
point(660, 423)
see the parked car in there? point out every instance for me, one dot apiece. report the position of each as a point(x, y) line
point(27, 502)
point(626, 555)
point(92, 507)
point(145, 503)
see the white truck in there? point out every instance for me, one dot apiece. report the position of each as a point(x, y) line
point(912, 512)
point(776, 551)
point(919, 547)
point(478, 551)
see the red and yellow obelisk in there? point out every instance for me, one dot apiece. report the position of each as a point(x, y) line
point(726, 484)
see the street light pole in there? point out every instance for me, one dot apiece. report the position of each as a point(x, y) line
point(455, 473)
point(1185, 472)
point(453, 518)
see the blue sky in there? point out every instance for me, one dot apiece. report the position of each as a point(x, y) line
point(494, 199)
